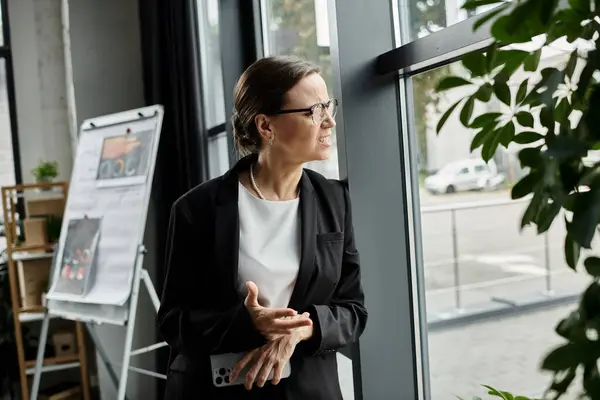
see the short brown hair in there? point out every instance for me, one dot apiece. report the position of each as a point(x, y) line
point(261, 90)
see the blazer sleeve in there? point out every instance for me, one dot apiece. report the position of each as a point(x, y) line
point(190, 318)
point(344, 319)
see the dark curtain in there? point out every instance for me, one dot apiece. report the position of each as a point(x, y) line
point(171, 78)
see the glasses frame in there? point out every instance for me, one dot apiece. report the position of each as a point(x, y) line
point(312, 109)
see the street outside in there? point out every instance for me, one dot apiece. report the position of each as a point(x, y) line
point(495, 261)
point(493, 258)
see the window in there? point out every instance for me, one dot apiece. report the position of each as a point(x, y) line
point(428, 16)
point(476, 258)
point(301, 28)
point(212, 71)
point(218, 150)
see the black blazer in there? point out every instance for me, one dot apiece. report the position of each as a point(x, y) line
point(201, 312)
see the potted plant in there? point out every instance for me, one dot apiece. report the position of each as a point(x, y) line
point(45, 171)
point(552, 119)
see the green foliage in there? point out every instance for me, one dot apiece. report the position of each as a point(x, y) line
point(495, 393)
point(45, 171)
point(551, 146)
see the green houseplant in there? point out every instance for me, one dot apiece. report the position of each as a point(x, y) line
point(553, 119)
point(45, 171)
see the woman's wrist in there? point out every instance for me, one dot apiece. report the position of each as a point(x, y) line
point(304, 333)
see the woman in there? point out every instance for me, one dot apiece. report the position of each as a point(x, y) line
point(262, 260)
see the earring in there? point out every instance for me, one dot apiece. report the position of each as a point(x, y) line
point(271, 141)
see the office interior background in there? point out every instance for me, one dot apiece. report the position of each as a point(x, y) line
point(458, 295)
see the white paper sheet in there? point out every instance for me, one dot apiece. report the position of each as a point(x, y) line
point(121, 203)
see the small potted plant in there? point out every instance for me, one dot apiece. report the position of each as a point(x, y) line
point(45, 171)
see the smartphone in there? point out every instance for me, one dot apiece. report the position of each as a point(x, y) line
point(222, 364)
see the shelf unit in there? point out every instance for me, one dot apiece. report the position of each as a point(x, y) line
point(11, 195)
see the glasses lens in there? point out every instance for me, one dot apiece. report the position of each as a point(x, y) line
point(332, 108)
point(321, 110)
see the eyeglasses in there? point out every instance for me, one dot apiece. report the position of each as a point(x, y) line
point(317, 111)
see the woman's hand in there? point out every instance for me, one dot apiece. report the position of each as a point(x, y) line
point(273, 323)
point(271, 357)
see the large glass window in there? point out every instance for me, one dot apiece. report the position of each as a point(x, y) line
point(301, 28)
point(476, 259)
point(7, 167)
point(428, 16)
point(212, 71)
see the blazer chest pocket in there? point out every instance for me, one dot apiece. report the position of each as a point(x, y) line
point(330, 251)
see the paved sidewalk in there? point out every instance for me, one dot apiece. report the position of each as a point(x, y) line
point(504, 353)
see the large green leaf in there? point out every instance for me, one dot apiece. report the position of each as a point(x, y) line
point(467, 111)
point(446, 116)
point(507, 133)
point(484, 93)
point(451, 82)
point(530, 157)
point(572, 251)
point(476, 63)
point(581, 7)
point(525, 119)
point(489, 16)
point(533, 209)
point(473, 4)
point(522, 92)
point(525, 186)
point(570, 355)
point(561, 385)
point(482, 136)
point(485, 119)
point(528, 137)
point(502, 30)
point(502, 92)
point(586, 217)
point(592, 266)
point(589, 305)
point(571, 327)
point(490, 145)
point(551, 78)
point(571, 64)
point(592, 117)
point(563, 147)
point(547, 215)
point(532, 61)
point(566, 23)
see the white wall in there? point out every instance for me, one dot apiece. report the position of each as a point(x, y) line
point(105, 52)
point(39, 72)
point(102, 74)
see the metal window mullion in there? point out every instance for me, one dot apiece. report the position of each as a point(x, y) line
point(370, 131)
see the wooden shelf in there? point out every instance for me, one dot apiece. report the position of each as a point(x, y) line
point(18, 252)
point(35, 309)
point(17, 248)
point(29, 256)
point(55, 360)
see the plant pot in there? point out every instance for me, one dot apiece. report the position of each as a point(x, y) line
point(45, 180)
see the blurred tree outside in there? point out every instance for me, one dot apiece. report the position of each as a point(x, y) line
point(292, 30)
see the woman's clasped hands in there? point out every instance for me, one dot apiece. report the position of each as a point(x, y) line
point(284, 328)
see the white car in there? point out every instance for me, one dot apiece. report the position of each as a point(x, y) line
point(470, 174)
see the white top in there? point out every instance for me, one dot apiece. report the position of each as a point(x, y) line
point(269, 247)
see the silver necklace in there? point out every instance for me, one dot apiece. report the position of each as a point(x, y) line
point(253, 182)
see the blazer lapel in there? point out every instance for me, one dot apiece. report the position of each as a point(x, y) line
point(308, 235)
